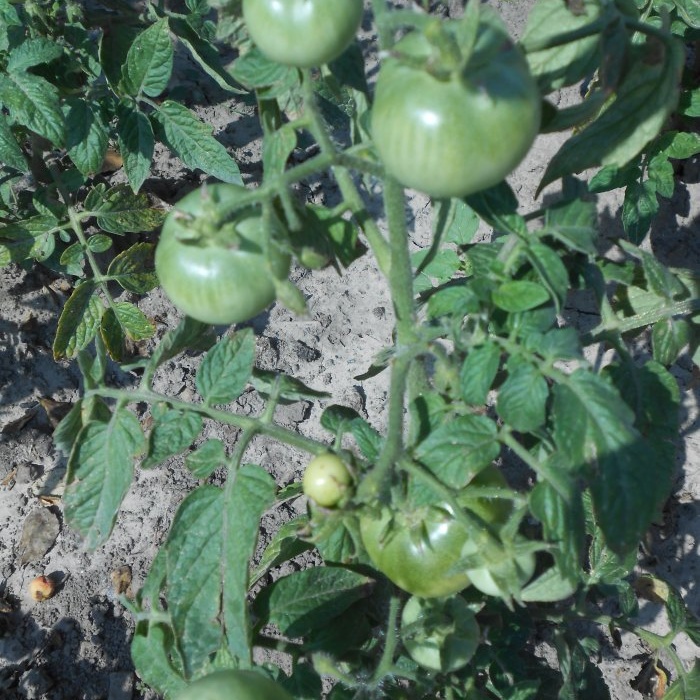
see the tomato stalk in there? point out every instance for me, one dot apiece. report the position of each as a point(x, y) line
point(377, 242)
point(386, 662)
point(401, 286)
point(269, 429)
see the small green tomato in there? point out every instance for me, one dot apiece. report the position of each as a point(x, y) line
point(326, 480)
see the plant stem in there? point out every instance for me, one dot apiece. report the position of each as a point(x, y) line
point(386, 662)
point(552, 42)
point(271, 430)
point(350, 194)
point(401, 286)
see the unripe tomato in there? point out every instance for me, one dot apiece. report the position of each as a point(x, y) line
point(234, 685)
point(214, 273)
point(439, 634)
point(449, 132)
point(302, 33)
point(326, 480)
point(419, 551)
point(483, 578)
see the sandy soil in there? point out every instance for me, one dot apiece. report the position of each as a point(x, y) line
point(76, 645)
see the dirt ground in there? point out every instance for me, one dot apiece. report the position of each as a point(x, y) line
point(76, 645)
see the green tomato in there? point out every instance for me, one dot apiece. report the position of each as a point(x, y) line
point(449, 132)
point(326, 480)
point(417, 550)
point(439, 634)
point(234, 684)
point(219, 274)
point(494, 511)
point(302, 33)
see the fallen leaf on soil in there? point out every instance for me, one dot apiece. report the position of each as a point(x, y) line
point(39, 532)
point(121, 580)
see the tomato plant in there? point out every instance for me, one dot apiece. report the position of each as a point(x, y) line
point(439, 634)
point(218, 272)
point(302, 33)
point(450, 131)
point(326, 480)
point(242, 685)
point(485, 365)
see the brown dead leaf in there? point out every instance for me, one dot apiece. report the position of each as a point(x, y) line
point(39, 532)
point(55, 410)
point(121, 580)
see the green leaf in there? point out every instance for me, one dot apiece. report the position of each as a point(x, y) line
point(134, 268)
point(668, 337)
point(310, 599)
point(557, 344)
point(79, 321)
point(686, 687)
point(523, 397)
point(11, 154)
point(136, 143)
point(639, 208)
point(112, 334)
point(551, 270)
point(689, 104)
point(149, 62)
point(193, 142)
point(99, 243)
point(33, 52)
point(204, 53)
point(257, 72)
point(573, 224)
point(173, 432)
point(519, 296)
point(227, 368)
point(100, 470)
point(277, 147)
point(478, 372)
point(289, 388)
point(209, 549)
point(284, 545)
point(456, 451)
point(188, 335)
point(441, 268)
point(689, 12)
point(152, 646)
point(610, 177)
point(133, 321)
point(119, 210)
point(86, 135)
point(33, 102)
point(643, 102)
point(31, 238)
point(661, 175)
point(564, 65)
point(206, 459)
point(563, 522)
point(595, 435)
point(498, 207)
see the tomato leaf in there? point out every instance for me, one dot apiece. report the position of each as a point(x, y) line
point(478, 372)
point(206, 459)
point(119, 210)
point(640, 206)
point(100, 470)
point(173, 431)
point(562, 65)
point(227, 368)
point(31, 238)
point(456, 451)
point(310, 599)
point(11, 154)
point(134, 268)
point(519, 295)
point(642, 104)
point(136, 144)
point(285, 545)
point(188, 335)
point(79, 321)
point(152, 647)
point(87, 137)
point(522, 398)
point(133, 321)
point(192, 141)
point(573, 224)
point(149, 62)
point(211, 542)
